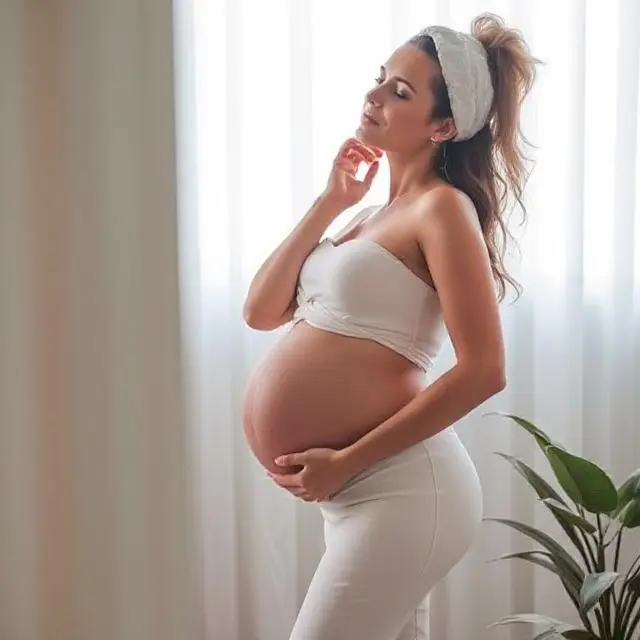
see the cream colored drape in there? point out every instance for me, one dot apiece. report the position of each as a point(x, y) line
point(95, 523)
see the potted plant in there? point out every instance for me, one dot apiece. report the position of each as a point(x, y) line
point(594, 515)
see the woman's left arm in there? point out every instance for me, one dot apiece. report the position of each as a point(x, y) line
point(456, 253)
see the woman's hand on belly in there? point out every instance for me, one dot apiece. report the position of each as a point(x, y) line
point(322, 474)
point(322, 390)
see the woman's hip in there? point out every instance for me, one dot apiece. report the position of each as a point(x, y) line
point(439, 465)
point(429, 493)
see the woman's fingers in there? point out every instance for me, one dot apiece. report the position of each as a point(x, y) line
point(343, 180)
point(351, 145)
point(287, 481)
point(352, 160)
point(350, 163)
point(372, 152)
point(356, 156)
point(371, 173)
point(361, 153)
point(302, 494)
point(292, 484)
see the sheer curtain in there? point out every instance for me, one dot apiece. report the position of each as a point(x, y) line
point(267, 90)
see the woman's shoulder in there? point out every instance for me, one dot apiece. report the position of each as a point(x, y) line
point(445, 206)
point(444, 195)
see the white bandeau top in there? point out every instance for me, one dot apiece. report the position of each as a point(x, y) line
point(358, 288)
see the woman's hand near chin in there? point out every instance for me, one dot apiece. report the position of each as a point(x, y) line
point(343, 186)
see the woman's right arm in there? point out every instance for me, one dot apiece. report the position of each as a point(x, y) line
point(271, 300)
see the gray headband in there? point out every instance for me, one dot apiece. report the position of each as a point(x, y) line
point(465, 70)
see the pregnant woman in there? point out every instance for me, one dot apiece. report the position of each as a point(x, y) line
point(341, 411)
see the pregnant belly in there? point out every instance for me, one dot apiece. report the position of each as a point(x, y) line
point(320, 389)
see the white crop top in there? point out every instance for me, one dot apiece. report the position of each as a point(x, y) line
point(358, 288)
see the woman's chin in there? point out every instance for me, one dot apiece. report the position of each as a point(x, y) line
point(365, 136)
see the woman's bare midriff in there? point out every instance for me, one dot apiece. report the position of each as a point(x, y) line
point(320, 389)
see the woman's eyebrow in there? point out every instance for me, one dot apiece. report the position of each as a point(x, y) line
point(403, 80)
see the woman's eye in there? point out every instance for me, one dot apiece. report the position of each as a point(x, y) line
point(380, 80)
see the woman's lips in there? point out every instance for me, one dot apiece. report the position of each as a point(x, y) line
point(367, 119)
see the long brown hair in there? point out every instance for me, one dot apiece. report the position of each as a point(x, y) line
point(491, 167)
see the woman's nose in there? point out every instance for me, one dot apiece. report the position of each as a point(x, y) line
point(373, 97)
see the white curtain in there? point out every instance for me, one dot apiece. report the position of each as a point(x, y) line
point(129, 232)
point(95, 503)
point(267, 92)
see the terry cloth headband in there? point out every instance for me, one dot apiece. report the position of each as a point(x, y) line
point(465, 70)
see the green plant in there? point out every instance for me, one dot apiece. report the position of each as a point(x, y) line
point(594, 516)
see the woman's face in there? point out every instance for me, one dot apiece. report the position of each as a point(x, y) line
point(397, 112)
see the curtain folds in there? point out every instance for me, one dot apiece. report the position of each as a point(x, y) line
point(153, 154)
point(274, 87)
point(96, 508)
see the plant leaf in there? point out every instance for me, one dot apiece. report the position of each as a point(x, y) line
point(633, 584)
point(549, 634)
point(541, 558)
point(621, 513)
point(545, 560)
point(568, 631)
point(528, 618)
point(543, 490)
point(566, 564)
point(630, 515)
point(628, 490)
point(556, 631)
point(594, 586)
point(540, 436)
point(584, 481)
point(570, 517)
point(563, 476)
point(553, 633)
point(537, 482)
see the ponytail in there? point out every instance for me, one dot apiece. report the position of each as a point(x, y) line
point(492, 167)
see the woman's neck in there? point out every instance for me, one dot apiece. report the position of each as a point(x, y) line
point(409, 174)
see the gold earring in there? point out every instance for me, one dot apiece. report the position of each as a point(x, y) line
point(433, 141)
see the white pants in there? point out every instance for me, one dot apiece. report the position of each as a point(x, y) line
point(391, 534)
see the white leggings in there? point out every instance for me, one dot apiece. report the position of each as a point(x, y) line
point(391, 534)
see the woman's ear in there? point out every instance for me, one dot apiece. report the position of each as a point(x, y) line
point(445, 131)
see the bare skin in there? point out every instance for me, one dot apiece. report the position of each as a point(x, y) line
point(317, 388)
point(320, 389)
